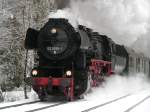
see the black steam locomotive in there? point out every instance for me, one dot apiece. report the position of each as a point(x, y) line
point(72, 60)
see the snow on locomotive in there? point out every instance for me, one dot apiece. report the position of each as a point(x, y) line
point(70, 60)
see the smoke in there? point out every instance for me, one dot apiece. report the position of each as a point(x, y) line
point(143, 44)
point(122, 20)
point(67, 14)
point(117, 85)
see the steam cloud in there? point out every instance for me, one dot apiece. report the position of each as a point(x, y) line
point(122, 20)
point(117, 85)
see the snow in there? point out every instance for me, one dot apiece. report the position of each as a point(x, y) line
point(80, 105)
point(28, 107)
point(18, 95)
point(16, 102)
point(114, 87)
point(123, 105)
point(119, 106)
point(144, 107)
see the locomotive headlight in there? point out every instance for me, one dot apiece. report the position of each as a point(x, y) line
point(68, 73)
point(34, 72)
point(53, 30)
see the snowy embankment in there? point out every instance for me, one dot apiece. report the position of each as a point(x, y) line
point(18, 95)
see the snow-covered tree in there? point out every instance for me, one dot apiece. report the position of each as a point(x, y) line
point(14, 56)
point(15, 17)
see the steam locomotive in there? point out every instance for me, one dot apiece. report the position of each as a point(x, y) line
point(72, 60)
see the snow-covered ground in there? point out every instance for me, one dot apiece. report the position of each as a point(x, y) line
point(18, 95)
point(144, 107)
point(78, 106)
point(136, 86)
point(118, 106)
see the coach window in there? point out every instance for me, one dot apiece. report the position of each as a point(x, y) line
point(99, 46)
point(144, 66)
point(131, 62)
point(113, 48)
point(138, 64)
point(149, 68)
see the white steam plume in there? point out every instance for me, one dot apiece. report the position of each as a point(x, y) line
point(122, 20)
point(117, 85)
point(65, 13)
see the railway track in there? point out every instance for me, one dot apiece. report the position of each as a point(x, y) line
point(106, 103)
point(97, 108)
point(81, 104)
point(45, 107)
point(17, 105)
point(29, 104)
point(138, 103)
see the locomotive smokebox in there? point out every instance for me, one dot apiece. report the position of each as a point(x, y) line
point(58, 40)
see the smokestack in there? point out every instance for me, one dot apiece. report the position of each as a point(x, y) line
point(62, 3)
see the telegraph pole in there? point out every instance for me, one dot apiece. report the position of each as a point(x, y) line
point(26, 57)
